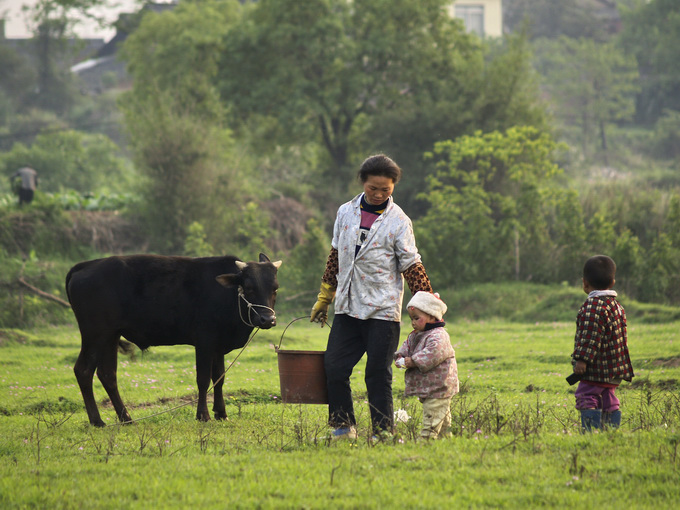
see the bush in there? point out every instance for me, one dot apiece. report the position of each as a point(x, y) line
point(43, 228)
point(666, 138)
point(300, 275)
point(20, 307)
point(530, 302)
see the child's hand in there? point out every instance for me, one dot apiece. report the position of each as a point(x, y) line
point(400, 362)
point(580, 367)
point(408, 363)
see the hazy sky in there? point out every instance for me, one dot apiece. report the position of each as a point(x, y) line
point(15, 25)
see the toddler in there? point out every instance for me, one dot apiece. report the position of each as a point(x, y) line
point(430, 362)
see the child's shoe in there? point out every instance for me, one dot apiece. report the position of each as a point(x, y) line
point(591, 419)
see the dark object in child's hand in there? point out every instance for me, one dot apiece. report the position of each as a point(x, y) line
point(574, 378)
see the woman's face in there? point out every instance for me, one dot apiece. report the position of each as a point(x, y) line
point(378, 189)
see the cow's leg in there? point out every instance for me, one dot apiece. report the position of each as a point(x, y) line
point(84, 369)
point(203, 366)
point(219, 407)
point(107, 369)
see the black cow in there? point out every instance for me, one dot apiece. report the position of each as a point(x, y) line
point(211, 303)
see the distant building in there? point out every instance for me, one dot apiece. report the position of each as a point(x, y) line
point(483, 17)
point(104, 64)
point(81, 48)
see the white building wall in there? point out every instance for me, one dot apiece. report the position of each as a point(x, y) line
point(493, 14)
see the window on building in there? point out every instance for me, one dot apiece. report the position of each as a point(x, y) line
point(472, 16)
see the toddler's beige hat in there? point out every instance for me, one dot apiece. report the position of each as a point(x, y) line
point(429, 303)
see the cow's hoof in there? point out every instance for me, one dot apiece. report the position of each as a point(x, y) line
point(126, 419)
point(221, 417)
point(98, 423)
point(203, 417)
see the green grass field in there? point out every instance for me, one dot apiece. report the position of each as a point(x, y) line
point(516, 436)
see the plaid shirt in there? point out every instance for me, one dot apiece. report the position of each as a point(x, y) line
point(601, 339)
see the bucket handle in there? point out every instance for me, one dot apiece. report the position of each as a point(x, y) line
point(276, 348)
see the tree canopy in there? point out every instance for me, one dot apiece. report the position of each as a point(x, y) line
point(651, 32)
point(363, 76)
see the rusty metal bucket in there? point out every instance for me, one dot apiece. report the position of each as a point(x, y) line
point(302, 376)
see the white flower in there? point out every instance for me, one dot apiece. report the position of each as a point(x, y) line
point(401, 416)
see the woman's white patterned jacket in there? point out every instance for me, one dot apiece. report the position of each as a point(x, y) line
point(370, 285)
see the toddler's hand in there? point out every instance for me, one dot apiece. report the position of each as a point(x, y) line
point(400, 363)
point(580, 367)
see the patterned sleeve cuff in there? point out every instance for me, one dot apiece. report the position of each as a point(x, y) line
point(330, 275)
point(417, 278)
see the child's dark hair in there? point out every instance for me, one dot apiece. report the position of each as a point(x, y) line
point(381, 166)
point(599, 271)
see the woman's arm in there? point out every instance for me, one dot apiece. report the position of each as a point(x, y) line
point(417, 279)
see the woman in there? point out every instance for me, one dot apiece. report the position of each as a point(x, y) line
point(373, 251)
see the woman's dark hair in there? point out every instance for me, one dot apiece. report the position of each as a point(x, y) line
point(599, 271)
point(379, 165)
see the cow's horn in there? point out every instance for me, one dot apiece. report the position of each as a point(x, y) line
point(277, 264)
point(241, 265)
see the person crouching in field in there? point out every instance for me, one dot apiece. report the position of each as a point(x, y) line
point(430, 362)
point(601, 347)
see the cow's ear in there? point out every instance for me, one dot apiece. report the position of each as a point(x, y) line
point(264, 258)
point(228, 280)
point(277, 264)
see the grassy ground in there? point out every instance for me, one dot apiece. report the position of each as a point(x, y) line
point(516, 441)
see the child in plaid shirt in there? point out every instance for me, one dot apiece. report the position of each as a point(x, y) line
point(601, 347)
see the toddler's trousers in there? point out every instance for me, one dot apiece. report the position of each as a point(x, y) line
point(589, 396)
point(436, 417)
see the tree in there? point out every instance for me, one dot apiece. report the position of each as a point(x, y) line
point(16, 80)
point(321, 67)
point(591, 84)
point(52, 22)
point(489, 202)
point(179, 51)
point(552, 19)
point(494, 89)
point(178, 154)
point(651, 32)
point(175, 124)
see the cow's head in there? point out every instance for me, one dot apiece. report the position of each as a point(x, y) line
point(257, 286)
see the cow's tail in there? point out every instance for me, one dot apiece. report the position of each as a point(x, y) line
point(125, 347)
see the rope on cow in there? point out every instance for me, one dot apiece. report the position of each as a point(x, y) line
point(191, 402)
point(251, 308)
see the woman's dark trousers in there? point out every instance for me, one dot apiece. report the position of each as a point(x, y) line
point(348, 341)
